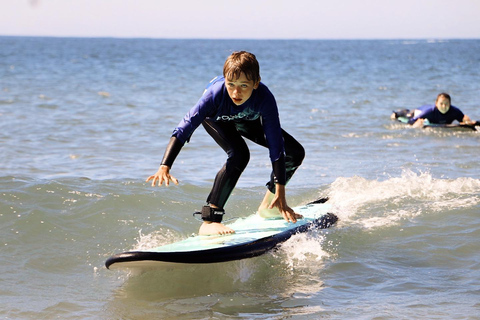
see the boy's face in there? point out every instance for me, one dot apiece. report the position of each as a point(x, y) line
point(240, 89)
point(442, 104)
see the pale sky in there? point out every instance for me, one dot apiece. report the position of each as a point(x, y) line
point(243, 19)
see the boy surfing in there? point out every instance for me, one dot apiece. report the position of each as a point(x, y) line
point(233, 107)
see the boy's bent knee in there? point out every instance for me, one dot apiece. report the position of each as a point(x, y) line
point(296, 155)
point(239, 159)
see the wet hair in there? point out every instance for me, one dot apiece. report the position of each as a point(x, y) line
point(445, 95)
point(242, 61)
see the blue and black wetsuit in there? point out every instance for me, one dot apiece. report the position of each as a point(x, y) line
point(257, 120)
point(433, 115)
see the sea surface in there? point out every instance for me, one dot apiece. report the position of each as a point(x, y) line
point(84, 122)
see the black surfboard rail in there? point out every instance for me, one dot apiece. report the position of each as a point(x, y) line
point(231, 253)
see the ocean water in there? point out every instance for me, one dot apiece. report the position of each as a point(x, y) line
point(83, 123)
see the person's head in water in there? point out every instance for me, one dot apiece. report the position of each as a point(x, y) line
point(242, 75)
point(443, 102)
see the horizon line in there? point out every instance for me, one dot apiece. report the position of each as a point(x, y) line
point(243, 39)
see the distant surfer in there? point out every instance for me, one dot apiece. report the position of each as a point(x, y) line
point(440, 113)
point(233, 107)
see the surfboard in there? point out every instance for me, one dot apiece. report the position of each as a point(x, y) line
point(253, 236)
point(458, 126)
point(405, 115)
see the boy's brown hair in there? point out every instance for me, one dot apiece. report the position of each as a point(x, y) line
point(242, 61)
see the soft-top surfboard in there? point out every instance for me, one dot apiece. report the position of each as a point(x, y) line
point(404, 115)
point(253, 236)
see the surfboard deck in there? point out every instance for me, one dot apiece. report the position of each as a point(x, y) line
point(253, 236)
point(405, 115)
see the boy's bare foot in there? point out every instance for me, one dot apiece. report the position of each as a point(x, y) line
point(212, 228)
point(273, 213)
point(264, 212)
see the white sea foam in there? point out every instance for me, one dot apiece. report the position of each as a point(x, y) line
point(154, 239)
point(403, 197)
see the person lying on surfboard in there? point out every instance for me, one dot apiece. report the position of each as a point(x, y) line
point(234, 107)
point(440, 113)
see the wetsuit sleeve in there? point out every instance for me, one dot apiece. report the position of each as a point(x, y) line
point(172, 151)
point(271, 124)
point(189, 123)
point(205, 107)
point(422, 113)
point(184, 130)
point(279, 170)
point(273, 135)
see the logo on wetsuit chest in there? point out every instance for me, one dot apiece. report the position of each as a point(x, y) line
point(240, 115)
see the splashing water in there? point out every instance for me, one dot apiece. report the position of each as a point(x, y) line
point(374, 203)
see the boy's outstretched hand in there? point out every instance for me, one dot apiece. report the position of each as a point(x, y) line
point(162, 176)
